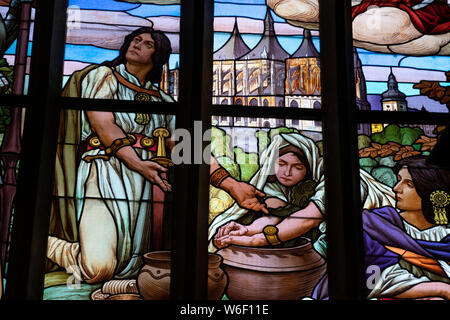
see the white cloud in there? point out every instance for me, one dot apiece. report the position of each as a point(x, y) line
point(382, 29)
point(107, 29)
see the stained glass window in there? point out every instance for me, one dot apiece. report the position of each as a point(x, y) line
point(401, 60)
point(111, 206)
point(108, 236)
point(401, 55)
point(16, 34)
point(263, 56)
point(405, 220)
point(280, 160)
point(106, 39)
point(110, 212)
point(11, 126)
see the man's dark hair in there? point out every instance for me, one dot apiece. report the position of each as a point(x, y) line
point(160, 57)
point(427, 178)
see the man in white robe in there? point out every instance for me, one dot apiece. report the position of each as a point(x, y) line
point(113, 193)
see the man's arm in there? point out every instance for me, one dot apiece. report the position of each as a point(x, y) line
point(245, 194)
point(104, 125)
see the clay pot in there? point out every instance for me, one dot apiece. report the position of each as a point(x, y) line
point(272, 273)
point(125, 296)
point(154, 278)
point(217, 279)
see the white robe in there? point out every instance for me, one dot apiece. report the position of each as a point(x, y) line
point(394, 279)
point(125, 192)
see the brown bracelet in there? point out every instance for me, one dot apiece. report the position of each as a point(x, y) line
point(113, 148)
point(218, 176)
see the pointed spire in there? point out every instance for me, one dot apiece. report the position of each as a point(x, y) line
point(307, 48)
point(269, 24)
point(268, 43)
point(393, 93)
point(234, 48)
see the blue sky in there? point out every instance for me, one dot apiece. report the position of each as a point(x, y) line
point(98, 55)
point(103, 5)
point(151, 10)
point(251, 9)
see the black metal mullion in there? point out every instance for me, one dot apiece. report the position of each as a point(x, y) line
point(267, 112)
point(191, 187)
point(205, 91)
point(15, 100)
point(117, 105)
point(342, 185)
point(399, 117)
point(34, 188)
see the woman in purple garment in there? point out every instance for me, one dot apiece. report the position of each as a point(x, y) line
point(408, 247)
point(411, 245)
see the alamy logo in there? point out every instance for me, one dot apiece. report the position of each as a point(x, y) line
point(73, 282)
point(374, 273)
point(73, 18)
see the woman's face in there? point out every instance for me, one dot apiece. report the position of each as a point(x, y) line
point(405, 192)
point(289, 170)
point(141, 49)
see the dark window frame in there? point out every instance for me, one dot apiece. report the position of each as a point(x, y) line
point(338, 115)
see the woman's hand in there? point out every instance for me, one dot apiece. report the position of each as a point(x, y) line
point(232, 228)
point(257, 240)
point(151, 171)
point(429, 290)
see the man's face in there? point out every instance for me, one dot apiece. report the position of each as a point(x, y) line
point(141, 50)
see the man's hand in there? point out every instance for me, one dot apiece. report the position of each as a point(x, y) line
point(245, 194)
point(151, 171)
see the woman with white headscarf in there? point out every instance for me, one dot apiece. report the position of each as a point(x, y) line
point(296, 205)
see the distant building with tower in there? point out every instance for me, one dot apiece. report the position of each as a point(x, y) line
point(391, 100)
point(267, 76)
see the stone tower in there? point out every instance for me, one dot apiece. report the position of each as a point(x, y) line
point(224, 70)
point(303, 74)
point(361, 92)
point(302, 84)
point(260, 73)
point(393, 99)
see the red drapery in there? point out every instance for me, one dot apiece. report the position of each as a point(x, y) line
point(431, 19)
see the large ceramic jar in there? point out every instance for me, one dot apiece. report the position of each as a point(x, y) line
point(256, 273)
point(154, 278)
point(217, 279)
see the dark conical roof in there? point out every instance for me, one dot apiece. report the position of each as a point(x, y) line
point(392, 93)
point(307, 48)
point(234, 48)
point(268, 47)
